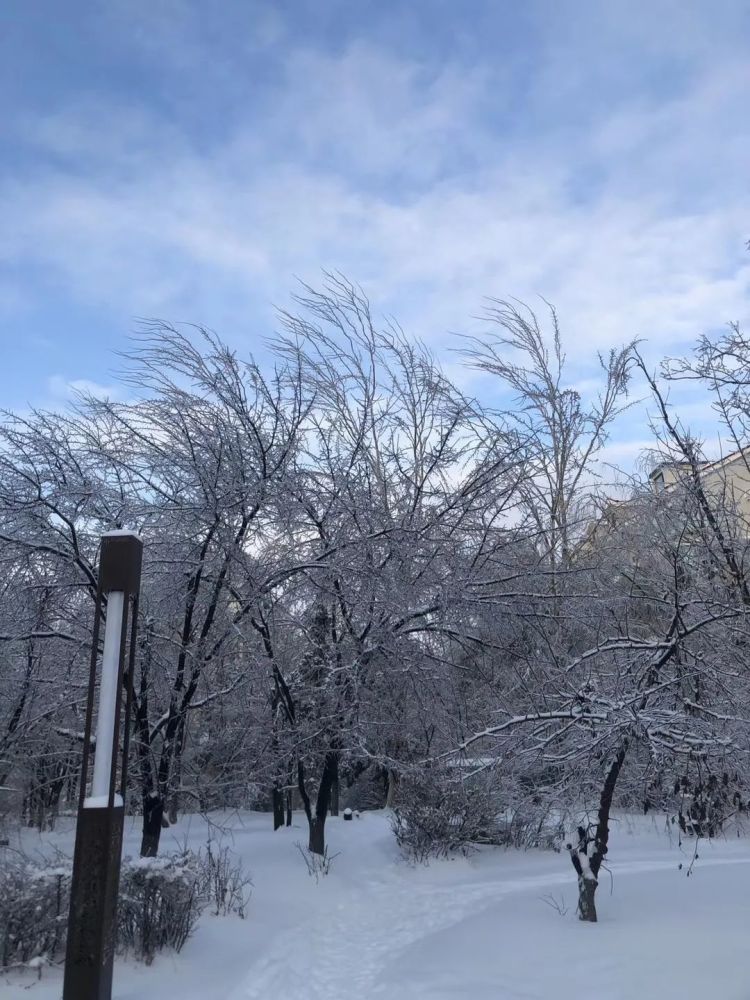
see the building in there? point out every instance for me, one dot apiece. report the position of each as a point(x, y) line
point(727, 479)
point(725, 483)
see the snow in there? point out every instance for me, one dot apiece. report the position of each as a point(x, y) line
point(477, 927)
point(100, 801)
point(121, 533)
point(58, 871)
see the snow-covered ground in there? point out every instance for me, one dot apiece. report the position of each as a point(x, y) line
point(477, 927)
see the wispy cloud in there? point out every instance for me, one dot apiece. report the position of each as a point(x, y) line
point(616, 192)
point(62, 389)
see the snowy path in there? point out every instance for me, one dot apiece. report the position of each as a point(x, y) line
point(346, 950)
point(347, 947)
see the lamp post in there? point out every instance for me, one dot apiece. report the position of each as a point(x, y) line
point(98, 848)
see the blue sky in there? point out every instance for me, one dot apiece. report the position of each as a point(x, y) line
point(188, 161)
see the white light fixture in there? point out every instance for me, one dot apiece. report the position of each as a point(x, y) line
point(105, 723)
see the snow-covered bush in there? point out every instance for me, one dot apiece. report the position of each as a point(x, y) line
point(33, 912)
point(531, 826)
point(160, 902)
point(447, 810)
point(441, 812)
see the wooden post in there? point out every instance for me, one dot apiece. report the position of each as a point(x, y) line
point(92, 920)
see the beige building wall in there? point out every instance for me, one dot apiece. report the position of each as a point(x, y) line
point(727, 480)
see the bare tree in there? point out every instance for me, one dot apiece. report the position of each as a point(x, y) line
point(559, 433)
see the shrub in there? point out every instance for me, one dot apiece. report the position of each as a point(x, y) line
point(33, 912)
point(223, 881)
point(444, 811)
point(706, 802)
point(318, 865)
point(533, 825)
point(441, 813)
point(160, 902)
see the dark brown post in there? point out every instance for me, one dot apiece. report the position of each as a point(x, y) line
point(92, 919)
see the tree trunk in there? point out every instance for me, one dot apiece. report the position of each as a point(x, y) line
point(587, 864)
point(335, 792)
point(277, 799)
point(153, 813)
point(317, 843)
point(174, 799)
point(289, 807)
point(153, 803)
point(317, 820)
point(587, 878)
point(586, 893)
point(390, 797)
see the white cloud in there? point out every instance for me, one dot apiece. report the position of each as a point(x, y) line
point(62, 389)
point(632, 222)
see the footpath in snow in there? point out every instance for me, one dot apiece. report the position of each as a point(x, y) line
point(478, 927)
